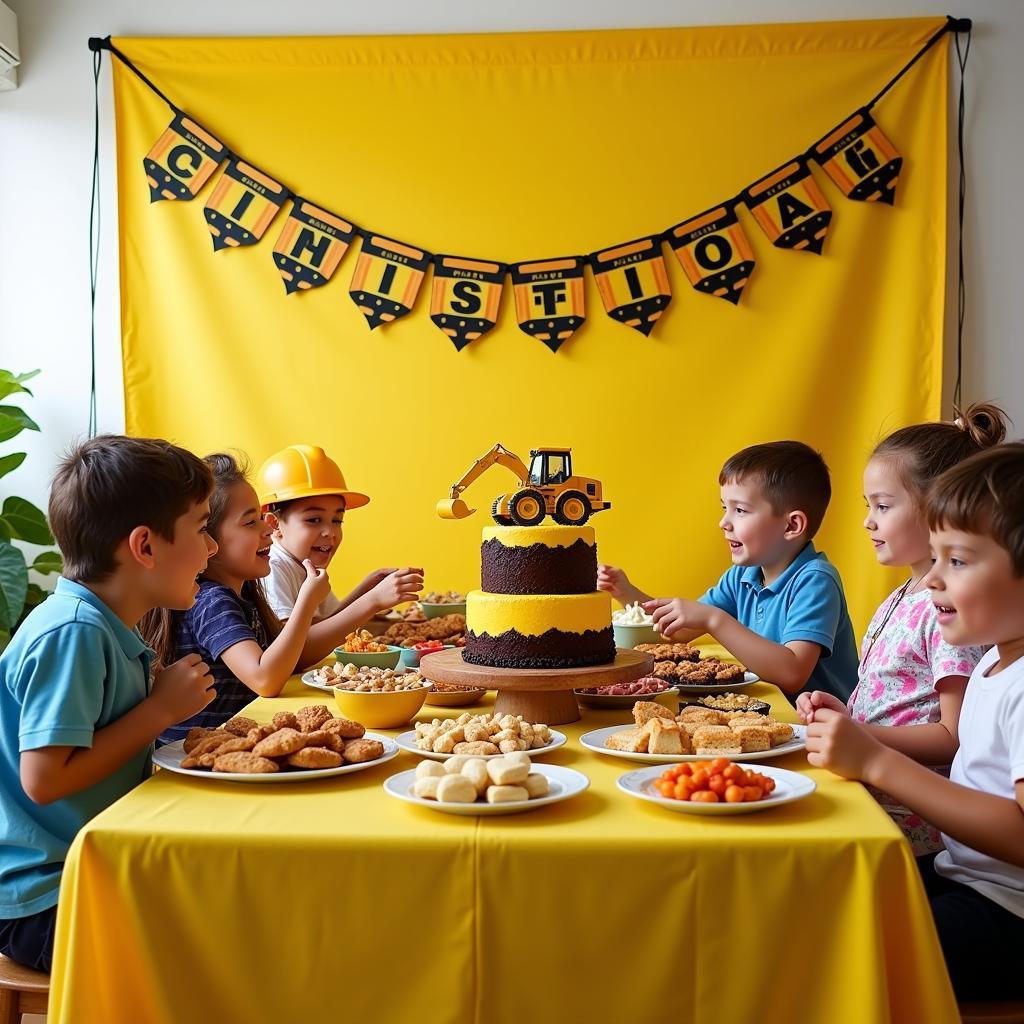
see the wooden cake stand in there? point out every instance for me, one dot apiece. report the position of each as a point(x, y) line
point(538, 694)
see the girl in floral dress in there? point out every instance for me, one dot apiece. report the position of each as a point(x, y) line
point(910, 682)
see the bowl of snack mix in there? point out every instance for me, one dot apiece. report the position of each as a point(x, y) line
point(435, 604)
point(632, 625)
point(411, 655)
point(361, 648)
point(386, 701)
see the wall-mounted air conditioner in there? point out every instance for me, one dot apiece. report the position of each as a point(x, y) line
point(10, 53)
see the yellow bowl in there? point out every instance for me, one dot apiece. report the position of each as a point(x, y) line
point(381, 710)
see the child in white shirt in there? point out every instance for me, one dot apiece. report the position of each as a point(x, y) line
point(976, 885)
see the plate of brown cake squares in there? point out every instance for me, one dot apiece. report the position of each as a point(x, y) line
point(681, 666)
point(657, 736)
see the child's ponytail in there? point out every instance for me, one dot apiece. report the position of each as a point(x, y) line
point(983, 422)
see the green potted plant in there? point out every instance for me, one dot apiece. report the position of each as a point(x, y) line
point(21, 521)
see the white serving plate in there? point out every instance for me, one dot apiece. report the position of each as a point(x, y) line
point(407, 741)
point(564, 783)
point(308, 680)
point(595, 741)
point(789, 787)
point(171, 756)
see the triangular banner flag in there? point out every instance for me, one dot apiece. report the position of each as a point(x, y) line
point(312, 243)
point(182, 160)
point(714, 252)
point(633, 282)
point(549, 298)
point(242, 204)
point(860, 160)
point(387, 278)
point(465, 297)
point(790, 207)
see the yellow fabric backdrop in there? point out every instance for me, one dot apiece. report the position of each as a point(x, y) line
point(527, 146)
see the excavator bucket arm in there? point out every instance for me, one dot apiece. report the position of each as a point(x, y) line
point(454, 507)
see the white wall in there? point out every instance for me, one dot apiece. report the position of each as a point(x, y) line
point(46, 146)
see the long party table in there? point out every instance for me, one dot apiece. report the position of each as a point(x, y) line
point(208, 901)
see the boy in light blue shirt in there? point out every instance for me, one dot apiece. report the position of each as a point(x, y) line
point(780, 609)
point(78, 714)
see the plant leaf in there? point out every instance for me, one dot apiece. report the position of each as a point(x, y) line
point(13, 421)
point(11, 384)
point(9, 463)
point(47, 562)
point(13, 585)
point(25, 521)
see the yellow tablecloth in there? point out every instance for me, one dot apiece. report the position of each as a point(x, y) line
point(205, 901)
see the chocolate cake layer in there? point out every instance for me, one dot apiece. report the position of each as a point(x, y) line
point(538, 569)
point(553, 649)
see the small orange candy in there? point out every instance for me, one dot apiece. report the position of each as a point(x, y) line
point(705, 796)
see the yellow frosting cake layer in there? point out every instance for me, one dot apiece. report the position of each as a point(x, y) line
point(550, 536)
point(534, 614)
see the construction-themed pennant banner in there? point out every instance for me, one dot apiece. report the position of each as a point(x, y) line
point(465, 298)
point(861, 161)
point(182, 160)
point(243, 203)
point(790, 207)
point(633, 282)
point(310, 246)
point(714, 252)
point(713, 247)
point(387, 279)
point(549, 298)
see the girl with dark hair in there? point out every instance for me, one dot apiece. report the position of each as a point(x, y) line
point(231, 625)
point(911, 682)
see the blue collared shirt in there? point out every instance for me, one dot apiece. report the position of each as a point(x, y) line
point(806, 602)
point(72, 668)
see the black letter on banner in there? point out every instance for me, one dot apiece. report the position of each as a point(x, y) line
point(633, 280)
point(548, 295)
point(469, 293)
point(387, 279)
point(184, 161)
point(306, 242)
point(722, 248)
point(862, 161)
point(241, 206)
point(791, 210)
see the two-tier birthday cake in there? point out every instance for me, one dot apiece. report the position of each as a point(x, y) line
point(538, 606)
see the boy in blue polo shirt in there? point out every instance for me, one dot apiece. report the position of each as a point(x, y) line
point(780, 609)
point(78, 714)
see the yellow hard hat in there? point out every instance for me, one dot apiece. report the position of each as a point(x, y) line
point(303, 471)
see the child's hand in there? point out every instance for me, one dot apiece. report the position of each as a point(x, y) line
point(371, 581)
point(397, 587)
point(677, 615)
point(807, 704)
point(183, 689)
point(837, 742)
point(614, 581)
point(315, 587)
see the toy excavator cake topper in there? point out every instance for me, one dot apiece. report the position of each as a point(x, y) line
point(547, 488)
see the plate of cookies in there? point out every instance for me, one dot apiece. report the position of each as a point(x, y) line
point(659, 737)
point(485, 735)
point(508, 784)
point(309, 744)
